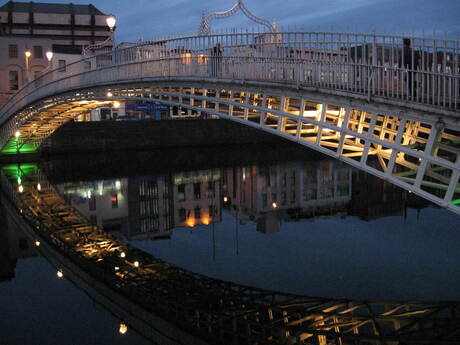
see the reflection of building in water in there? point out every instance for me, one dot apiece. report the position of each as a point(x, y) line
point(375, 198)
point(293, 191)
point(14, 245)
point(150, 207)
point(197, 198)
point(103, 202)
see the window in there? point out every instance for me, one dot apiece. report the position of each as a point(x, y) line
point(62, 65)
point(14, 80)
point(92, 203)
point(197, 212)
point(181, 192)
point(13, 51)
point(197, 190)
point(182, 215)
point(38, 52)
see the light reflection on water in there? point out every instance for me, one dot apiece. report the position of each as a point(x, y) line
point(311, 228)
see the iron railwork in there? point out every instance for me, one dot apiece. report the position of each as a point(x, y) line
point(205, 24)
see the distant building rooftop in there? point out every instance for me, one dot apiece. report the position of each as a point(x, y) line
point(41, 7)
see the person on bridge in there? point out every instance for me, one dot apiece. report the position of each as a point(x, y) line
point(216, 61)
point(410, 62)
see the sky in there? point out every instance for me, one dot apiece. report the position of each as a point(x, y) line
point(148, 19)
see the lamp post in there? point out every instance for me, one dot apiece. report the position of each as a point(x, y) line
point(49, 57)
point(28, 54)
point(111, 22)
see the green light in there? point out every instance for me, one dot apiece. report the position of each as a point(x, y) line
point(455, 202)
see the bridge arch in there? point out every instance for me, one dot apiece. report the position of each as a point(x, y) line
point(322, 102)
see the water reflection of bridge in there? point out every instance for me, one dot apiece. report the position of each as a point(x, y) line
point(208, 309)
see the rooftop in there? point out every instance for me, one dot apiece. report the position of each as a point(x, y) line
point(42, 7)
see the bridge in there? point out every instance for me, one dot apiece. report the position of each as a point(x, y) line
point(170, 305)
point(388, 105)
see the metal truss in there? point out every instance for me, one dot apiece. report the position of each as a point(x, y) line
point(205, 24)
point(214, 310)
point(421, 155)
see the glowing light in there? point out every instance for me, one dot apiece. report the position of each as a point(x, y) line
point(136, 263)
point(117, 268)
point(28, 54)
point(274, 205)
point(17, 134)
point(122, 255)
point(111, 22)
point(190, 222)
point(123, 328)
point(113, 198)
point(19, 180)
point(49, 56)
point(116, 104)
point(37, 243)
point(206, 220)
point(60, 274)
point(20, 189)
point(88, 194)
point(39, 187)
point(225, 199)
point(117, 184)
point(109, 94)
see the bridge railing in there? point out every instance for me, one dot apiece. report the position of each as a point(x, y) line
point(415, 70)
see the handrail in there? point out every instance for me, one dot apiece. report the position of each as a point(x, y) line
point(439, 59)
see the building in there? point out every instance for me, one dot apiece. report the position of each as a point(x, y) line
point(29, 31)
point(290, 192)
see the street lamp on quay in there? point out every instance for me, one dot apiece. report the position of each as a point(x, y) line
point(27, 54)
point(111, 22)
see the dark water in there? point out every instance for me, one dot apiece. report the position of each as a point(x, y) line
point(310, 227)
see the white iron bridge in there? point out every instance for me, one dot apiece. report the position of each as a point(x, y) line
point(388, 105)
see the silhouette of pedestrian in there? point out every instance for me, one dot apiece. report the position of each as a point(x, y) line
point(410, 63)
point(216, 61)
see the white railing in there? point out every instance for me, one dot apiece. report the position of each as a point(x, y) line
point(426, 72)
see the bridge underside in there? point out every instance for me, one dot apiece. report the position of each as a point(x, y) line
point(417, 152)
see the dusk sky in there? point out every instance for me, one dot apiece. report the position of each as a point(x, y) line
point(153, 18)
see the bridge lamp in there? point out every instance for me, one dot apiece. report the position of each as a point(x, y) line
point(123, 328)
point(49, 56)
point(109, 94)
point(136, 263)
point(37, 243)
point(60, 274)
point(39, 187)
point(20, 189)
point(116, 104)
point(274, 205)
point(123, 255)
point(111, 22)
point(17, 134)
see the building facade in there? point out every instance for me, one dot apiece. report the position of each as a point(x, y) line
point(40, 28)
